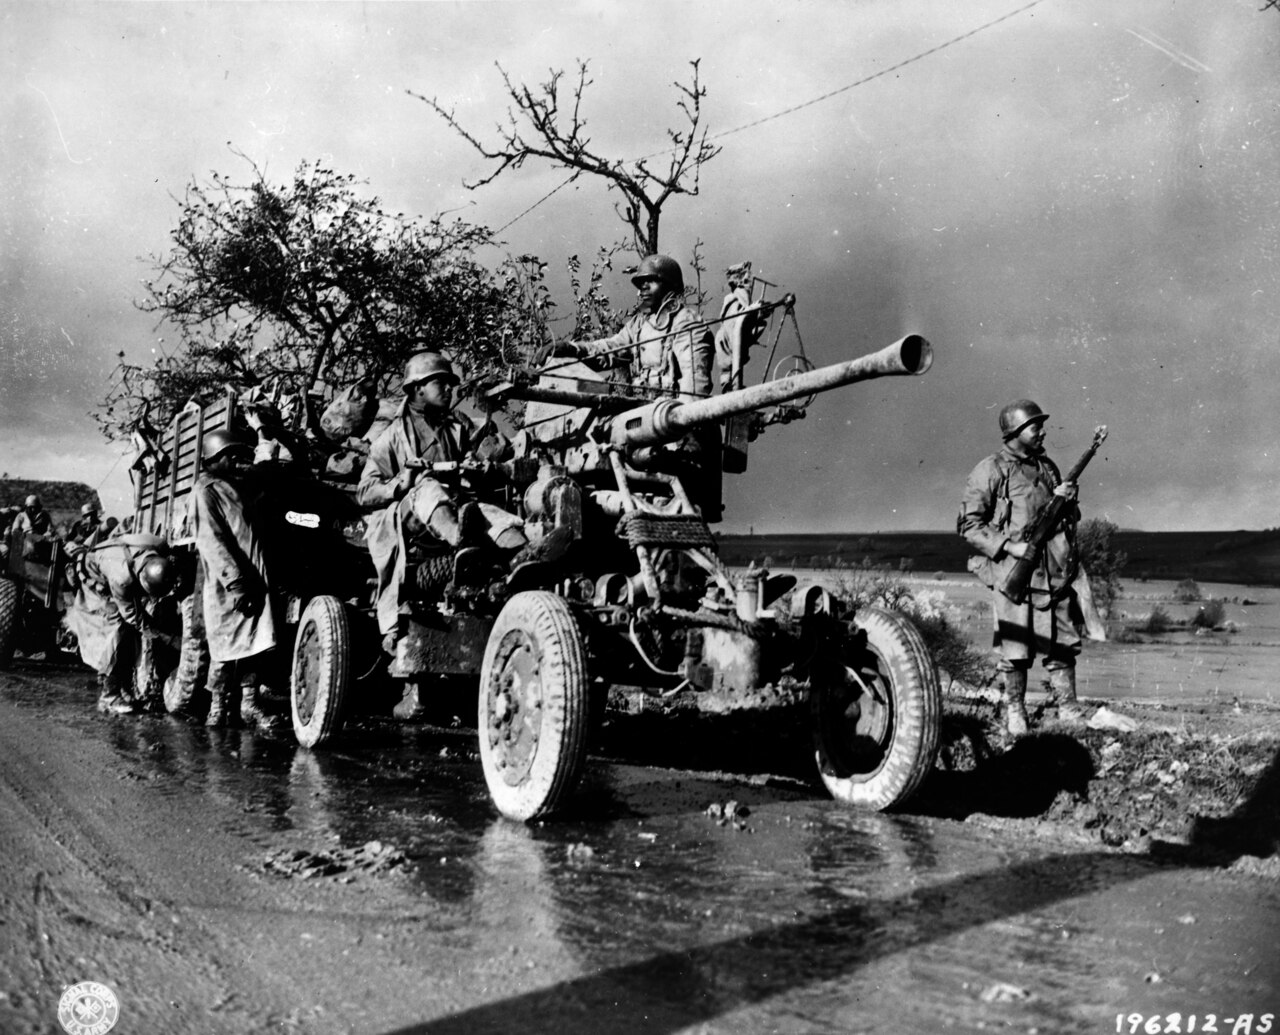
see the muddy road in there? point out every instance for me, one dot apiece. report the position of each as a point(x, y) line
point(228, 881)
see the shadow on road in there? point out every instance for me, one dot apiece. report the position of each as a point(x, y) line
point(670, 991)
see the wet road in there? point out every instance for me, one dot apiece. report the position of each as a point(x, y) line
point(224, 882)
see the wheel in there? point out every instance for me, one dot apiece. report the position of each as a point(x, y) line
point(185, 690)
point(8, 619)
point(533, 706)
point(321, 661)
point(876, 717)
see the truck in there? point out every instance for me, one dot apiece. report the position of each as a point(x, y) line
point(640, 598)
point(32, 607)
point(310, 529)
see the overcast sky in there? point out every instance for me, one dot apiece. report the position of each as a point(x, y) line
point(1079, 204)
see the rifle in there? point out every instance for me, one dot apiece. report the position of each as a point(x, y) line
point(1014, 585)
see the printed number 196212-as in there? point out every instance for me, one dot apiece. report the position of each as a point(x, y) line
point(1158, 1024)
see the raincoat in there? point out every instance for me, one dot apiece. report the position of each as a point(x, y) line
point(1003, 497)
point(233, 566)
point(108, 611)
point(387, 481)
point(669, 353)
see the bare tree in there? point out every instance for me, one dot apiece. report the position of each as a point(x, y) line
point(547, 124)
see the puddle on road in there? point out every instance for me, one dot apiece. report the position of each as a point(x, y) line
point(803, 916)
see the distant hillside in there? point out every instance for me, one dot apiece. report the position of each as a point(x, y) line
point(1251, 558)
point(62, 500)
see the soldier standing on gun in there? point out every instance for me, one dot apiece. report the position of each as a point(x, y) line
point(1004, 496)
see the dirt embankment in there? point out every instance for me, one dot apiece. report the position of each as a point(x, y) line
point(1199, 782)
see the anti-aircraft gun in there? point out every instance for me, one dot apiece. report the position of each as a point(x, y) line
point(641, 598)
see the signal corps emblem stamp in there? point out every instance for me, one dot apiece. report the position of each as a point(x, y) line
point(88, 1008)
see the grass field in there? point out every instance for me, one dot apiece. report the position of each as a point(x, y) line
point(1250, 558)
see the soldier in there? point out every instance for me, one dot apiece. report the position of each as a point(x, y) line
point(87, 529)
point(412, 502)
point(666, 351)
point(239, 625)
point(115, 583)
point(1003, 498)
point(33, 518)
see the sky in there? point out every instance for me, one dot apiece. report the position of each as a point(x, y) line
point(1075, 201)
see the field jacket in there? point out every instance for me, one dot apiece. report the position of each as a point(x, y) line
point(669, 352)
point(1003, 498)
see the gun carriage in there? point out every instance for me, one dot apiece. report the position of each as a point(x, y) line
point(640, 598)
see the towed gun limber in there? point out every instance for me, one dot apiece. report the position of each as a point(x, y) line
point(667, 420)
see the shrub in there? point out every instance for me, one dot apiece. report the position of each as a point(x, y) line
point(1095, 542)
point(1187, 592)
point(1212, 615)
point(869, 586)
point(1158, 621)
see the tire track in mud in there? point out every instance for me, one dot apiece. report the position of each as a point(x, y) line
point(87, 912)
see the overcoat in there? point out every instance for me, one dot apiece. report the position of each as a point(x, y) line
point(385, 481)
point(233, 566)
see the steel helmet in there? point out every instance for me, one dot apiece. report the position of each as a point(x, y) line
point(32, 501)
point(88, 509)
point(423, 366)
point(662, 268)
point(222, 440)
point(158, 575)
point(1017, 415)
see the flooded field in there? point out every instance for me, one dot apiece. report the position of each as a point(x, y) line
point(1178, 667)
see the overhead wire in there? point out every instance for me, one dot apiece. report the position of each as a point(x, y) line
point(803, 104)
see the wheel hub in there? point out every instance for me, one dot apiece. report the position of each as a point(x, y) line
point(514, 709)
point(306, 672)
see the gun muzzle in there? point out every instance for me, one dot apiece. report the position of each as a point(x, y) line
point(669, 419)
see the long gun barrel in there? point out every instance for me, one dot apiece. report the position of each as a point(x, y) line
point(669, 419)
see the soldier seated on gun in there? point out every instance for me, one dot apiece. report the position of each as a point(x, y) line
point(412, 501)
point(663, 342)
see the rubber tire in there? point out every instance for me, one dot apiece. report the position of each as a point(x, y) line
point(538, 630)
point(899, 749)
point(9, 617)
point(185, 690)
point(319, 672)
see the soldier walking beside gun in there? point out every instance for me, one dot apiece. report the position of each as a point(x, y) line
point(1020, 515)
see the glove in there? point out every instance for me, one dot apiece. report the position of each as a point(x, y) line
point(567, 350)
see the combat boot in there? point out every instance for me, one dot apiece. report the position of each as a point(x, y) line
point(113, 698)
point(1062, 687)
point(251, 713)
point(224, 694)
point(547, 550)
point(409, 707)
point(1015, 701)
